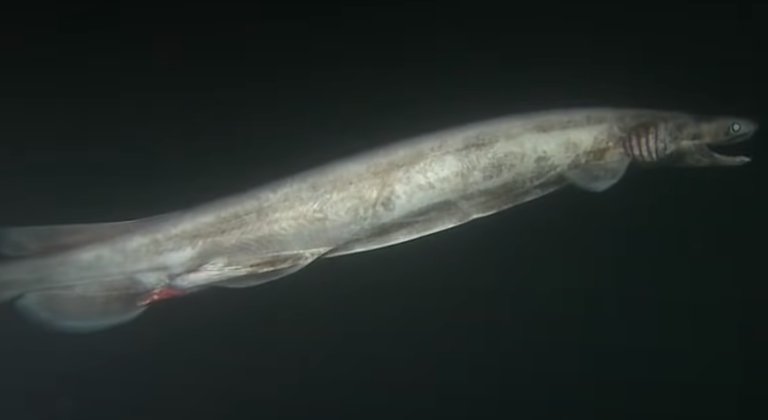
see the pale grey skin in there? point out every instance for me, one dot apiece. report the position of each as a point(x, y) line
point(90, 277)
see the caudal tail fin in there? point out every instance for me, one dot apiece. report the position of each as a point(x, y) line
point(23, 251)
point(30, 278)
point(34, 288)
point(37, 240)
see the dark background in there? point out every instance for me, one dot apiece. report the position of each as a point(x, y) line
point(640, 302)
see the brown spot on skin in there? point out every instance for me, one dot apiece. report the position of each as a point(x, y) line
point(479, 142)
point(513, 192)
point(406, 228)
point(549, 126)
point(599, 154)
point(493, 171)
point(387, 203)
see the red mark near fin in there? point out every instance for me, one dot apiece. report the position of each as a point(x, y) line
point(161, 294)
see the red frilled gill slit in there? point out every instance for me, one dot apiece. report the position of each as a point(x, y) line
point(644, 143)
point(161, 294)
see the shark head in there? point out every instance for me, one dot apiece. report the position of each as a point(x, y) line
point(684, 140)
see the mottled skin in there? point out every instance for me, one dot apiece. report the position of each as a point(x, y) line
point(393, 194)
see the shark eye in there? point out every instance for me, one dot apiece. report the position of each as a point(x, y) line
point(735, 127)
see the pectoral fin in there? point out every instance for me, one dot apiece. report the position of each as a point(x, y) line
point(599, 176)
point(84, 308)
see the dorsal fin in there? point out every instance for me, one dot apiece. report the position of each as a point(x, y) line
point(33, 240)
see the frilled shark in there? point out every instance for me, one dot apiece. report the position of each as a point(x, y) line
point(89, 277)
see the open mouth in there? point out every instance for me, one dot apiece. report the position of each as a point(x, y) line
point(731, 151)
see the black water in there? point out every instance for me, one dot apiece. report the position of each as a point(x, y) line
point(641, 302)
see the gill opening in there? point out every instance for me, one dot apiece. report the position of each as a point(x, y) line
point(645, 143)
